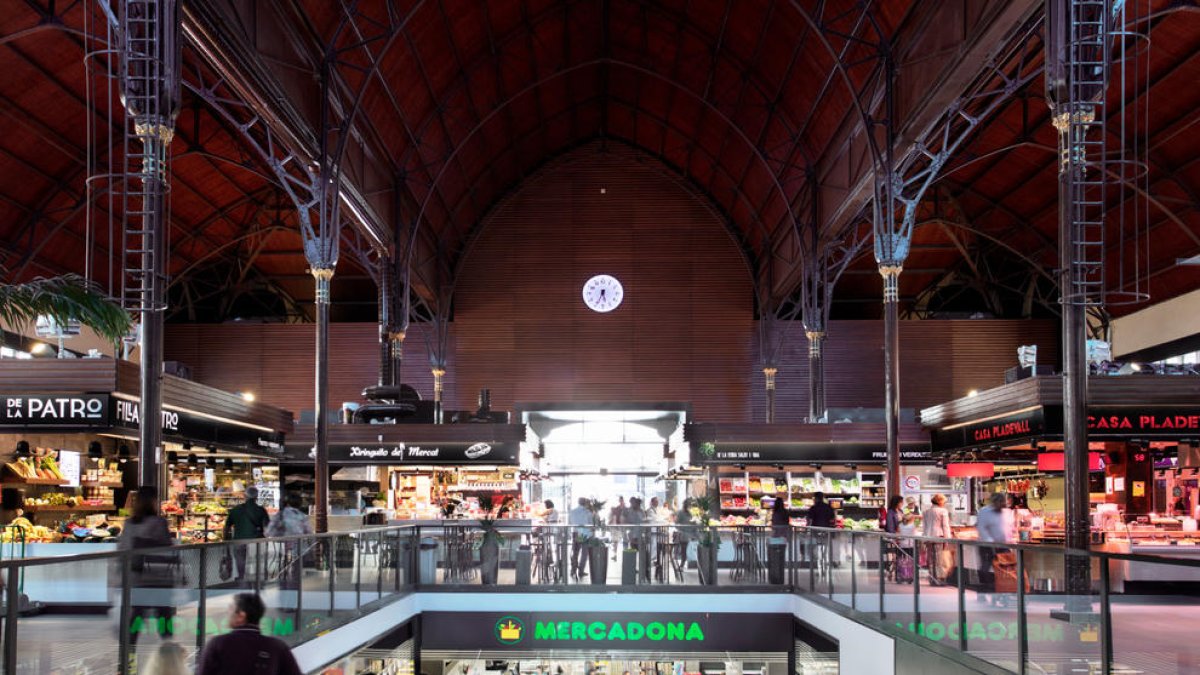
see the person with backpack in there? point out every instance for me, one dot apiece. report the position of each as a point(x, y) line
point(247, 520)
point(245, 650)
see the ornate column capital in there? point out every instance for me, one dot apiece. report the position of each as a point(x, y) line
point(815, 338)
point(322, 276)
point(769, 372)
point(891, 281)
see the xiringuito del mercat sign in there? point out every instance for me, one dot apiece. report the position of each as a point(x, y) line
point(607, 630)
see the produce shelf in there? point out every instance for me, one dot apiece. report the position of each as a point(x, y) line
point(63, 508)
point(13, 480)
point(101, 483)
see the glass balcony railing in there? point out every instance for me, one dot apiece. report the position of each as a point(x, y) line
point(1010, 605)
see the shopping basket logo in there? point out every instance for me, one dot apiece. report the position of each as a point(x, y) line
point(509, 630)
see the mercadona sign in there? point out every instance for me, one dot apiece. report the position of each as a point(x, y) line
point(674, 631)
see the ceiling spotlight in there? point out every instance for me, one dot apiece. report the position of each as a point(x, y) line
point(94, 450)
point(22, 448)
point(972, 393)
point(816, 466)
point(228, 464)
point(212, 449)
point(248, 396)
point(39, 348)
point(123, 453)
point(187, 445)
point(852, 466)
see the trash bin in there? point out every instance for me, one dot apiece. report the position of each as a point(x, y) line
point(524, 565)
point(776, 554)
point(427, 561)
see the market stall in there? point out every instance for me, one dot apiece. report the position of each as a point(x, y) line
point(1142, 433)
point(68, 431)
point(751, 465)
point(413, 473)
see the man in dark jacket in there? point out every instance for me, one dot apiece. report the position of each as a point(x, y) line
point(247, 520)
point(820, 514)
point(245, 650)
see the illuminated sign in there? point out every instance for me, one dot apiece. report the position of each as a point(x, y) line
point(612, 630)
point(1002, 429)
point(86, 409)
point(803, 453)
point(182, 625)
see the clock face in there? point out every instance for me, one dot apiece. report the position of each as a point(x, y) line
point(603, 293)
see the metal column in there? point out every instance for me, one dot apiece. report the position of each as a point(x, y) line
point(149, 70)
point(891, 372)
point(769, 373)
point(816, 375)
point(322, 276)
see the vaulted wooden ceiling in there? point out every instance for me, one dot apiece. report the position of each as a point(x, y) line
point(459, 101)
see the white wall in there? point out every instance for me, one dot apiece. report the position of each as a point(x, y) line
point(1170, 320)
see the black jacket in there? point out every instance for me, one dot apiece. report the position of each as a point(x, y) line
point(246, 651)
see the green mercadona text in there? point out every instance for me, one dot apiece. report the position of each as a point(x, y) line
point(629, 630)
point(180, 625)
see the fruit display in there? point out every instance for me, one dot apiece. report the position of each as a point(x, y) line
point(37, 468)
point(21, 530)
point(60, 499)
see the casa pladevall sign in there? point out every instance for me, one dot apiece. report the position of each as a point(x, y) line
point(608, 630)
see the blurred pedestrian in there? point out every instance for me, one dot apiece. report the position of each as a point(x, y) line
point(151, 573)
point(247, 520)
point(245, 650)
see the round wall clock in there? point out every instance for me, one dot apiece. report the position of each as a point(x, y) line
point(602, 293)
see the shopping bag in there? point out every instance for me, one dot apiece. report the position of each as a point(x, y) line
point(226, 568)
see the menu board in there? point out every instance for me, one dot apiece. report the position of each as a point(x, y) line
point(68, 464)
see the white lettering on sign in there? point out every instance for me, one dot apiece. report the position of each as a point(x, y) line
point(374, 453)
point(65, 408)
point(424, 452)
point(128, 412)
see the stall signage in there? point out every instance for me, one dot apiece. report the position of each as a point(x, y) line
point(50, 410)
point(792, 453)
point(127, 414)
point(608, 630)
point(188, 426)
point(993, 431)
point(411, 453)
point(1172, 422)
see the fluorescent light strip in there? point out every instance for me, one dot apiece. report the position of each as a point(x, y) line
point(993, 417)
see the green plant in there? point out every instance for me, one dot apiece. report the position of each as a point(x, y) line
point(702, 509)
point(488, 522)
point(595, 507)
point(64, 298)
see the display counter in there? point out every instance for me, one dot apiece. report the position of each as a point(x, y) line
point(83, 582)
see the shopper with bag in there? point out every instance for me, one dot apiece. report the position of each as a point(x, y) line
point(936, 524)
point(152, 573)
point(247, 520)
point(290, 521)
point(992, 528)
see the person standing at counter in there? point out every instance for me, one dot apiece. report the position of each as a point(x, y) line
point(992, 527)
point(820, 514)
point(550, 516)
point(247, 520)
point(936, 523)
point(894, 515)
point(579, 518)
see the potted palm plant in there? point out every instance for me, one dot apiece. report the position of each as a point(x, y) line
point(64, 299)
point(489, 544)
point(708, 539)
point(597, 546)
